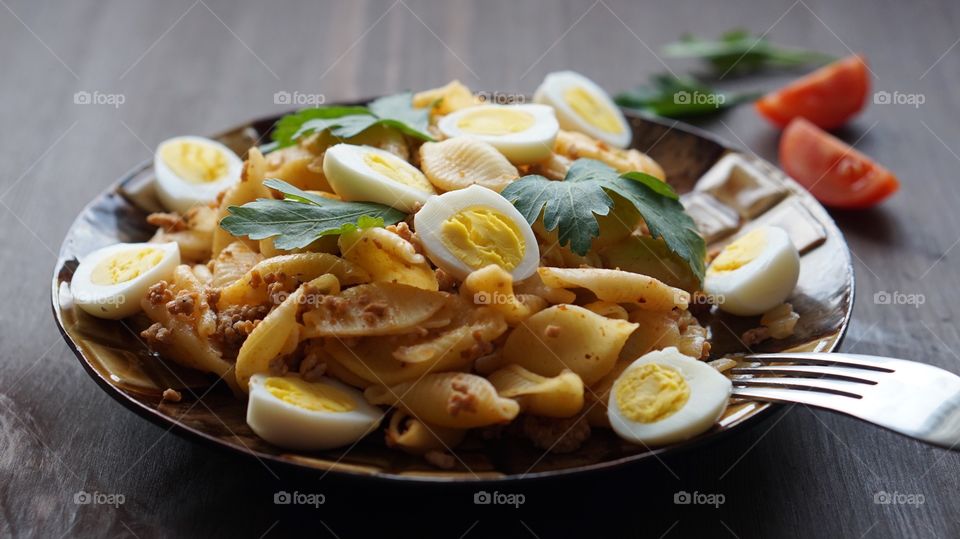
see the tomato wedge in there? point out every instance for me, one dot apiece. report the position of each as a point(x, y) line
point(828, 97)
point(833, 171)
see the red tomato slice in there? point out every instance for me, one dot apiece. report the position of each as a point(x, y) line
point(834, 172)
point(828, 97)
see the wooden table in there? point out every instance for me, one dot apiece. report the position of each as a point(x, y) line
point(200, 66)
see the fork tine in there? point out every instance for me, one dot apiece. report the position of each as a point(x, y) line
point(788, 396)
point(855, 375)
point(847, 360)
point(840, 387)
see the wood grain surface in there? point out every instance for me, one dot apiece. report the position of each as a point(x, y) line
point(199, 66)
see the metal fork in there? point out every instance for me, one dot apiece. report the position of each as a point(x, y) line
point(914, 399)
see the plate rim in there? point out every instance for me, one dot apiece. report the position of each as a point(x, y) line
point(173, 425)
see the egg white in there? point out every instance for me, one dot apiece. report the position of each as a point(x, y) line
point(552, 92)
point(531, 145)
point(428, 223)
point(709, 394)
point(353, 179)
point(177, 194)
point(115, 301)
point(287, 425)
point(761, 284)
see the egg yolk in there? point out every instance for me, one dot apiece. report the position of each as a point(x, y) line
point(496, 121)
point(592, 110)
point(651, 392)
point(397, 171)
point(195, 162)
point(313, 397)
point(740, 253)
point(482, 236)
point(125, 266)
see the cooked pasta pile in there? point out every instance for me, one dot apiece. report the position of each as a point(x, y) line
point(407, 270)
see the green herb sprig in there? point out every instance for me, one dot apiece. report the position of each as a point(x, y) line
point(301, 217)
point(394, 111)
point(740, 52)
point(680, 97)
point(570, 206)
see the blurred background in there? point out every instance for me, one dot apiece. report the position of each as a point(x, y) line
point(153, 70)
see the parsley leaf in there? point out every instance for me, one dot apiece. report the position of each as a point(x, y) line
point(394, 111)
point(302, 217)
point(740, 52)
point(679, 97)
point(571, 206)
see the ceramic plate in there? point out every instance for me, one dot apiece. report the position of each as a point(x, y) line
point(724, 189)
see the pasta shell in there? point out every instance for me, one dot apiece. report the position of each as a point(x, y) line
point(194, 241)
point(249, 188)
point(372, 309)
point(659, 330)
point(575, 145)
point(232, 263)
point(278, 333)
point(293, 269)
point(298, 166)
point(483, 326)
point(560, 396)
point(533, 285)
point(323, 244)
point(413, 436)
point(554, 167)
point(387, 257)
point(493, 286)
point(608, 309)
point(460, 162)
point(446, 99)
point(618, 286)
point(377, 360)
point(567, 337)
point(202, 317)
point(185, 346)
point(454, 400)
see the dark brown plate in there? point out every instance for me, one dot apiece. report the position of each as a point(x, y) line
point(115, 357)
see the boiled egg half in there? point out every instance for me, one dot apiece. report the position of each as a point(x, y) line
point(666, 397)
point(524, 134)
point(368, 174)
point(192, 171)
point(110, 282)
point(290, 412)
point(468, 229)
point(755, 273)
point(583, 106)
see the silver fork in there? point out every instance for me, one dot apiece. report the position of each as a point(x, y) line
point(914, 399)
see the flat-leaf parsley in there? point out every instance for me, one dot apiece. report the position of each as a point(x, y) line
point(570, 206)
